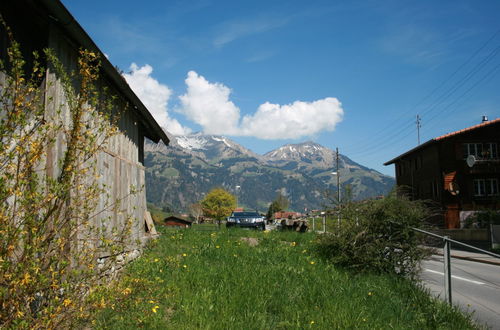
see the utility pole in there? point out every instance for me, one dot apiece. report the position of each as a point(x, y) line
point(338, 184)
point(338, 176)
point(418, 129)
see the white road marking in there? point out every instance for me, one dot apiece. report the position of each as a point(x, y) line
point(454, 276)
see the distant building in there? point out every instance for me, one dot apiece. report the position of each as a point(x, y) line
point(459, 171)
point(178, 222)
point(287, 215)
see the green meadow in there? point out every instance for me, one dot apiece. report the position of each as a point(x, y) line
point(242, 279)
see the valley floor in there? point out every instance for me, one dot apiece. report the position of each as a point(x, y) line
point(237, 279)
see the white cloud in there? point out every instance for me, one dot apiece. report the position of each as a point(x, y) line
point(155, 97)
point(208, 105)
point(292, 121)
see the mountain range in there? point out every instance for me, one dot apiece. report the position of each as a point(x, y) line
point(182, 173)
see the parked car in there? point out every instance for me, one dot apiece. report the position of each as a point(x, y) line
point(246, 220)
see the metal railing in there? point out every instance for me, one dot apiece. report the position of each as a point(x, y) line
point(447, 258)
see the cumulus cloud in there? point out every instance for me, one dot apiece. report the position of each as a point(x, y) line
point(208, 105)
point(155, 97)
point(292, 121)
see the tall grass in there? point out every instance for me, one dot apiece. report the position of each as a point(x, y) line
point(216, 280)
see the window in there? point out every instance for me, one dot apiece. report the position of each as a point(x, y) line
point(434, 189)
point(491, 150)
point(485, 187)
point(481, 150)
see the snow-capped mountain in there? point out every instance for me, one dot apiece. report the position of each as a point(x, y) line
point(179, 175)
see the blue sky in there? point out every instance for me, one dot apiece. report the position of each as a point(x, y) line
point(346, 74)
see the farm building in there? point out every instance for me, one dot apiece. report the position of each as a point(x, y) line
point(40, 24)
point(177, 222)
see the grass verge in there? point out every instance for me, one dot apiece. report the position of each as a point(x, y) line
point(219, 280)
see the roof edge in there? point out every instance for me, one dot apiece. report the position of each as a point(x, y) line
point(421, 146)
point(70, 25)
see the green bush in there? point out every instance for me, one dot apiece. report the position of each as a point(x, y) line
point(483, 219)
point(376, 235)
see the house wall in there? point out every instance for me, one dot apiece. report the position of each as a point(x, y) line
point(481, 170)
point(420, 174)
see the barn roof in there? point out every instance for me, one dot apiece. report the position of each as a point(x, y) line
point(63, 18)
point(443, 137)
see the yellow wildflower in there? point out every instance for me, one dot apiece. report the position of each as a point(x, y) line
point(66, 302)
point(26, 279)
point(154, 309)
point(312, 262)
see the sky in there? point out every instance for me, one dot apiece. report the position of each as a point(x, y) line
point(346, 74)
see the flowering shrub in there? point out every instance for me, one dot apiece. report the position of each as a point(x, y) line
point(49, 241)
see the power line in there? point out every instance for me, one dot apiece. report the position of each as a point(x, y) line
point(438, 101)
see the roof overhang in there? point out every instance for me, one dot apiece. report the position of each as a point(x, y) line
point(400, 157)
point(444, 137)
point(68, 23)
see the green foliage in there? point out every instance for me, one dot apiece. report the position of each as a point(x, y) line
point(376, 235)
point(194, 279)
point(49, 242)
point(218, 204)
point(483, 219)
point(279, 204)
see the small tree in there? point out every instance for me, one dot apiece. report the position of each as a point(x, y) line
point(196, 211)
point(279, 204)
point(218, 204)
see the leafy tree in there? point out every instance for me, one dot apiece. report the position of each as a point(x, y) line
point(218, 204)
point(279, 204)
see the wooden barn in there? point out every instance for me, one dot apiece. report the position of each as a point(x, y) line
point(40, 24)
point(177, 222)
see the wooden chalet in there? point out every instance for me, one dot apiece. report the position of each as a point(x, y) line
point(459, 172)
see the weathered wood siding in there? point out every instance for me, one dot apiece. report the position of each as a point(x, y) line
point(119, 166)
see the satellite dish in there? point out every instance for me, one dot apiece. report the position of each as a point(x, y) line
point(471, 160)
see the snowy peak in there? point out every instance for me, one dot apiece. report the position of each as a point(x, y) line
point(307, 150)
point(192, 142)
point(212, 147)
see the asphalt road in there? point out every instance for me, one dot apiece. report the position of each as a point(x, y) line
point(475, 287)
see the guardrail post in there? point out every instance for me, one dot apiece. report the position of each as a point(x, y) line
point(447, 269)
point(324, 223)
